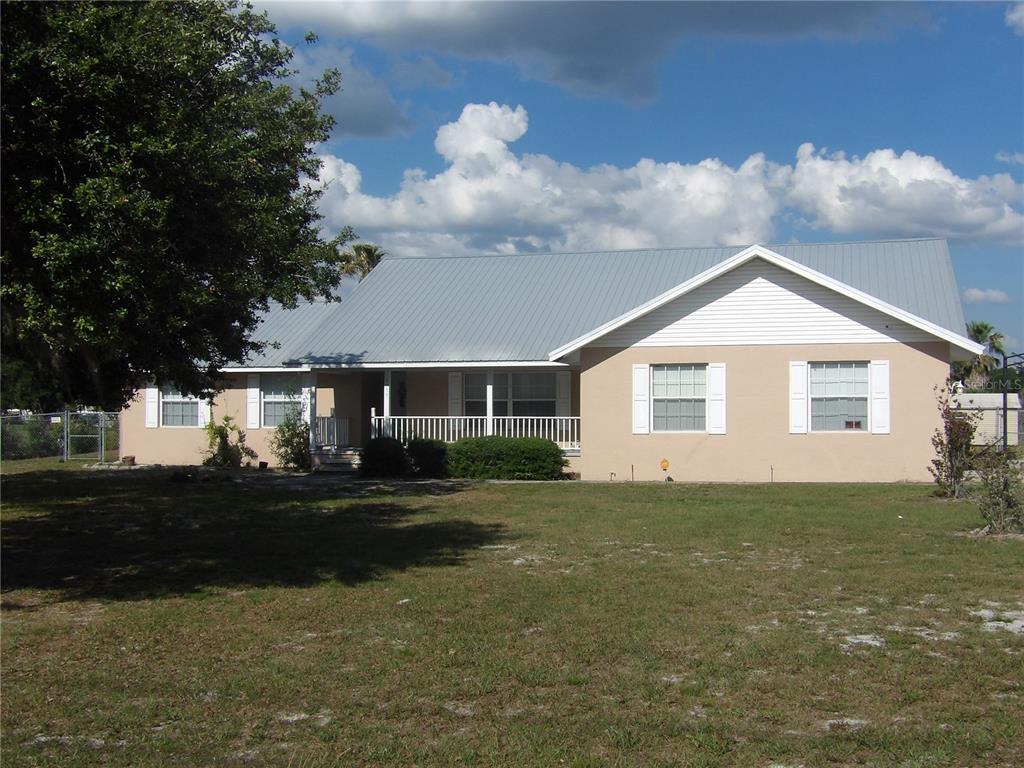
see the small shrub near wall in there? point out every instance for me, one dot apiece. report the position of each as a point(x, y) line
point(384, 457)
point(290, 443)
point(505, 458)
point(429, 457)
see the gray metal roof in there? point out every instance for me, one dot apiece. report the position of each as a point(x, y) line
point(521, 307)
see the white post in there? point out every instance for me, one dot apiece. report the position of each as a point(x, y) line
point(309, 404)
point(489, 424)
point(386, 412)
point(373, 421)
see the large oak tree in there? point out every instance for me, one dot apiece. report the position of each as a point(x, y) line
point(159, 191)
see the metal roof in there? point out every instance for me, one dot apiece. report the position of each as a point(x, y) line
point(521, 307)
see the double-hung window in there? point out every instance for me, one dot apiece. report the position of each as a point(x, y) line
point(281, 397)
point(839, 396)
point(177, 409)
point(679, 397)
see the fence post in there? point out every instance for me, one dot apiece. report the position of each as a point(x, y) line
point(67, 435)
point(101, 423)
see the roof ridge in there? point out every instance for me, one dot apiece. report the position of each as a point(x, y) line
point(493, 255)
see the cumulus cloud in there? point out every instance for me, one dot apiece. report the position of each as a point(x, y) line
point(1013, 158)
point(906, 194)
point(1015, 18)
point(595, 48)
point(488, 198)
point(986, 296)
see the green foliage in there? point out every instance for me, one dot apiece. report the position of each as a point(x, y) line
point(429, 457)
point(1001, 496)
point(30, 439)
point(506, 458)
point(159, 192)
point(290, 442)
point(361, 258)
point(226, 445)
point(384, 457)
point(952, 442)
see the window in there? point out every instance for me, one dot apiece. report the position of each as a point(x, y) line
point(839, 397)
point(281, 397)
point(178, 410)
point(678, 398)
point(515, 394)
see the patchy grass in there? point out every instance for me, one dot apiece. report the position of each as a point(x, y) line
point(281, 621)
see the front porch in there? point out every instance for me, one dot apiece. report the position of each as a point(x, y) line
point(355, 406)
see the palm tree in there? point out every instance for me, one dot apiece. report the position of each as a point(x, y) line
point(361, 258)
point(985, 333)
point(975, 372)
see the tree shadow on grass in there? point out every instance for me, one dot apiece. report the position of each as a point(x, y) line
point(133, 536)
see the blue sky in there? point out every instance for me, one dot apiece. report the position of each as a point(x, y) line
point(482, 127)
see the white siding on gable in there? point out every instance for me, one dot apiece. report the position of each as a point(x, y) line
point(760, 303)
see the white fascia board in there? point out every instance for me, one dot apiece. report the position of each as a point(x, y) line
point(450, 364)
point(266, 369)
point(755, 252)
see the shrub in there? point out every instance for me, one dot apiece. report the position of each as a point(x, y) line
point(505, 458)
point(384, 457)
point(1001, 497)
point(429, 457)
point(222, 451)
point(952, 442)
point(290, 442)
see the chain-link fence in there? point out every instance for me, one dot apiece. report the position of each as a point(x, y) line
point(65, 436)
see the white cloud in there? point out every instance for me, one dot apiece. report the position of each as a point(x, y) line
point(1015, 18)
point(908, 194)
point(1013, 158)
point(488, 198)
point(587, 47)
point(986, 296)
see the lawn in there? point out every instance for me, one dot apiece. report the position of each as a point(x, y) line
point(282, 621)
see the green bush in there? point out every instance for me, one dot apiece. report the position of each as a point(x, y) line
point(1001, 496)
point(222, 451)
point(384, 457)
point(30, 439)
point(290, 442)
point(429, 457)
point(505, 458)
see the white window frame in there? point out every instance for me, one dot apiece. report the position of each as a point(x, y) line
point(810, 401)
point(181, 398)
point(706, 399)
point(275, 398)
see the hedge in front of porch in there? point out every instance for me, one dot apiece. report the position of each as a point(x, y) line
point(505, 458)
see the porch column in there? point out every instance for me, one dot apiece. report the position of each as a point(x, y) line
point(386, 412)
point(489, 424)
point(309, 407)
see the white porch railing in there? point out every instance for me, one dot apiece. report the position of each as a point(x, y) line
point(563, 430)
point(330, 432)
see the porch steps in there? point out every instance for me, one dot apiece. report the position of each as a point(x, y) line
point(338, 460)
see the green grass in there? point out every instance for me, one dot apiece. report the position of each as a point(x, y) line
point(308, 623)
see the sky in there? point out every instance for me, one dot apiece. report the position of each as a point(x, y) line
point(493, 127)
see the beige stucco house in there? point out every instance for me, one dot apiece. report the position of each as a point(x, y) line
point(798, 362)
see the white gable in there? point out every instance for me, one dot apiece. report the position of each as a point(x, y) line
point(760, 303)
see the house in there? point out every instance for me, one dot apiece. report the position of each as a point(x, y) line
point(797, 362)
point(989, 405)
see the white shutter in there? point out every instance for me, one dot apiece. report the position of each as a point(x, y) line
point(152, 407)
point(563, 393)
point(641, 399)
point(252, 402)
point(204, 412)
point(454, 394)
point(798, 397)
point(879, 382)
point(716, 399)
